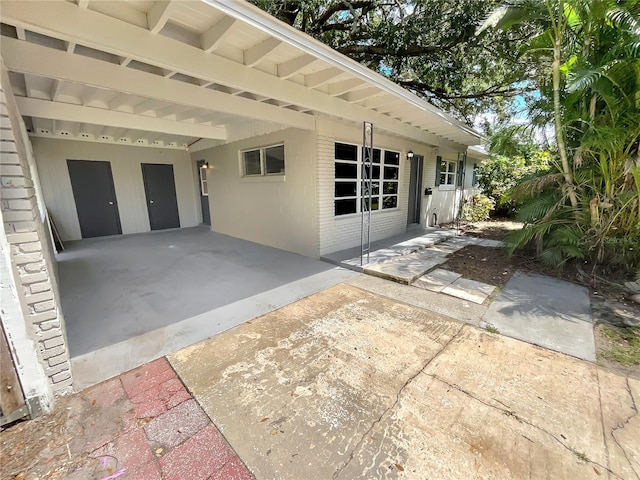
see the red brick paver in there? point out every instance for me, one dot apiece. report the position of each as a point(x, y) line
point(203, 454)
point(164, 433)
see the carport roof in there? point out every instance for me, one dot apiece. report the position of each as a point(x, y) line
point(166, 73)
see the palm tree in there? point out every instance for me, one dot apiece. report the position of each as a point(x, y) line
point(591, 51)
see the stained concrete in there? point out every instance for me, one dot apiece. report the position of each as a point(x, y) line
point(388, 249)
point(407, 268)
point(347, 384)
point(455, 308)
point(120, 287)
point(476, 292)
point(437, 280)
point(545, 311)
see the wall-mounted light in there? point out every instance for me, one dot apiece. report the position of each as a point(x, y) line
point(206, 164)
point(410, 154)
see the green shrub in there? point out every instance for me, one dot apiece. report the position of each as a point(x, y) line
point(477, 207)
point(500, 174)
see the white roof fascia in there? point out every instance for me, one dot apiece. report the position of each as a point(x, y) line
point(261, 20)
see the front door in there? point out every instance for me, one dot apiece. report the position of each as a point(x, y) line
point(415, 189)
point(95, 196)
point(160, 189)
point(204, 192)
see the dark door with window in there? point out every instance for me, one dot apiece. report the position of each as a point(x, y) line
point(95, 197)
point(204, 192)
point(160, 189)
point(415, 189)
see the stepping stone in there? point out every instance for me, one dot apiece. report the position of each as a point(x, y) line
point(407, 268)
point(446, 247)
point(476, 292)
point(492, 243)
point(436, 280)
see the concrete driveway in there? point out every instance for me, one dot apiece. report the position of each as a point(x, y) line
point(348, 384)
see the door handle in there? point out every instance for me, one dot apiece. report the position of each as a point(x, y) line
point(150, 201)
point(110, 203)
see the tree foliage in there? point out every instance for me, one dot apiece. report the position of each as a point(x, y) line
point(588, 57)
point(427, 46)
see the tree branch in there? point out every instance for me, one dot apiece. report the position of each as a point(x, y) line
point(491, 92)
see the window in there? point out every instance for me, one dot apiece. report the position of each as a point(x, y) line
point(475, 175)
point(263, 161)
point(350, 190)
point(204, 189)
point(446, 172)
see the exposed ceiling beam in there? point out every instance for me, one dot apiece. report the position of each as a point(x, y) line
point(254, 55)
point(71, 46)
point(68, 22)
point(56, 89)
point(20, 33)
point(188, 114)
point(171, 110)
point(320, 78)
point(98, 116)
point(83, 3)
point(158, 15)
point(338, 88)
point(119, 100)
point(293, 66)
point(145, 106)
point(30, 58)
point(360, 95)
point(379, 101)
point(29, 85)
point(210, 39)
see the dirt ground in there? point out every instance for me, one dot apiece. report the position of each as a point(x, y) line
point(617, 331)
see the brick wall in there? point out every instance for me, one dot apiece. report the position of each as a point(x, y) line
point(30, 247)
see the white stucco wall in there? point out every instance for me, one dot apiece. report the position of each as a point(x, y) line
point(276, 211)
point(341, 232)
point(51, 158)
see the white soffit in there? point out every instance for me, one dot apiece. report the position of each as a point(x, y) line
point(203, 64)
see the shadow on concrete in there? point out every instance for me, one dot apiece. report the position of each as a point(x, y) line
point(545, 311)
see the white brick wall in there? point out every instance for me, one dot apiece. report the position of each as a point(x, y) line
point(338, 233)
point(30, 250)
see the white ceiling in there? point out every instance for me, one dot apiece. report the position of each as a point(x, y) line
point(165, 74)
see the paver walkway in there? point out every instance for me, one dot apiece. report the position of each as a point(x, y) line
point(143, 425)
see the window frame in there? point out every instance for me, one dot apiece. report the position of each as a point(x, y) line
point(358, 179)
point(449, 175)
point(263, 162)
point(475, 175)
point(204, 181)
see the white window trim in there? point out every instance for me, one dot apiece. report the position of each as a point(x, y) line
point(262, 174)
point(358, 180)
point(448, 174)
point(204, 180)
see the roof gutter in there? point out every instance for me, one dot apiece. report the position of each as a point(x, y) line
point(261, 20)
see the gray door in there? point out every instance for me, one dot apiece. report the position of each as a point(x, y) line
point(415, 189)
point(92, 185)
point(204, 192)
point(160, 188)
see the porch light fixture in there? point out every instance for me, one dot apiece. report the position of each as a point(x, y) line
point(410, 154)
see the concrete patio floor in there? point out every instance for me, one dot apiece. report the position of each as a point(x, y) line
point(130, 299)
point(349, 384)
